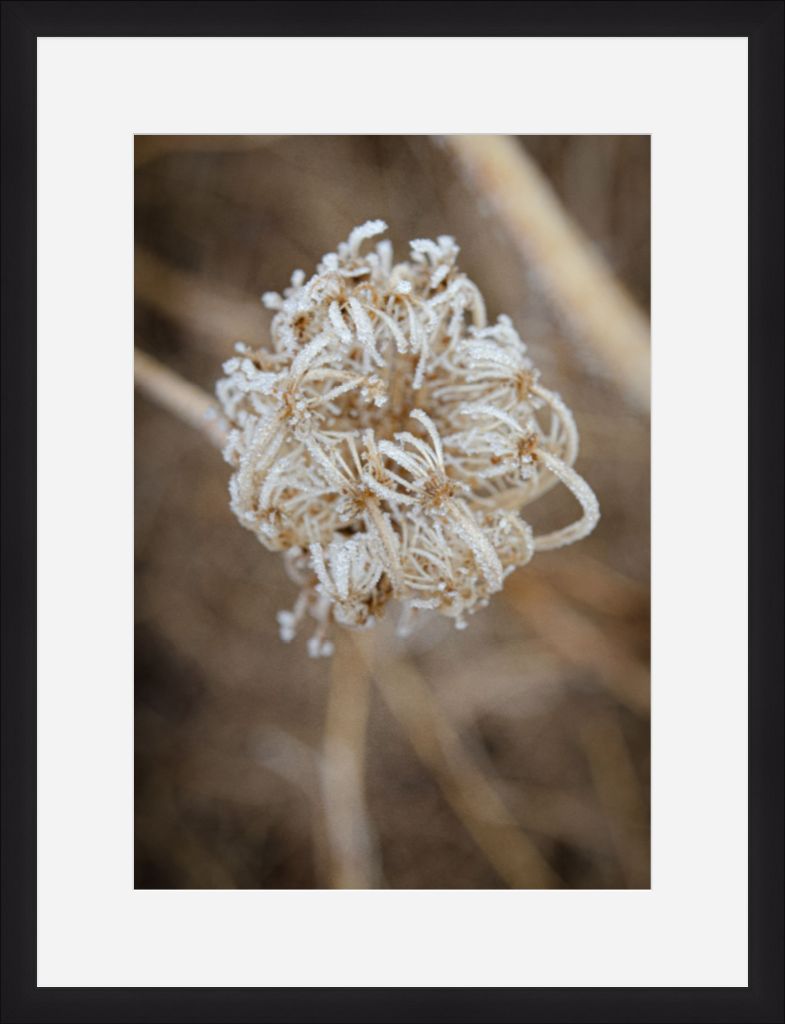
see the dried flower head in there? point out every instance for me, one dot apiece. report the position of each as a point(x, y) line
point(388, 438)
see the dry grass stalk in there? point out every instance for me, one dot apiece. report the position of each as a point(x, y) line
point(466, 787)
point(619, 793)
point(579, 641)
point(352, 858)
point(592, 584)
point(499, 168)
point(186, 401)
point(204, 311)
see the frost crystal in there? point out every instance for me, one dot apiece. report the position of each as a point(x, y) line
point(388, 438)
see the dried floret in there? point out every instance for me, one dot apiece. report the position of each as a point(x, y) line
point(388, 438)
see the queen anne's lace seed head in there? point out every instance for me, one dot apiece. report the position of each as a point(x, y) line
point(388, 438)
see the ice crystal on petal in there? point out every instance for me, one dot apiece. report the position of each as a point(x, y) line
point(388, 437)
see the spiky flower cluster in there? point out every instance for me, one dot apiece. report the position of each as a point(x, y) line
point(388, 438)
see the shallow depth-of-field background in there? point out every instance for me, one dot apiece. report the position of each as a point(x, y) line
point(547, 689)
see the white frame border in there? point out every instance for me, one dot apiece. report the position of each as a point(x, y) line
point(93, 95)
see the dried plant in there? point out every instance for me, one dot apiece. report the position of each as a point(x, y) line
point(388, 438)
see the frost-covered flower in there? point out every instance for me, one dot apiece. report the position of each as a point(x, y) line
point(388, 437)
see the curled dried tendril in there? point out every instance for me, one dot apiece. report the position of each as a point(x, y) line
point(388, 437)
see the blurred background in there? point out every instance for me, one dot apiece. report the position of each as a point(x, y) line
point(514, 753)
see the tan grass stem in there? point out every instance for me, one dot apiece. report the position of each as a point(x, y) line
point(352, 858)
point(582, 285)
point(211, 315)
point(178, 396)
point(578, 641)
point(464, 784)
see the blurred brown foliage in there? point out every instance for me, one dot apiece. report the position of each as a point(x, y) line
point(547, 689)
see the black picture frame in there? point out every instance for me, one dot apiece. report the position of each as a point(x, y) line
point(762, 24)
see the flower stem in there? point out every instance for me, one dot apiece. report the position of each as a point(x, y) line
point(353, 861)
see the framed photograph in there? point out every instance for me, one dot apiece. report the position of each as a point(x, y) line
point(391, 614)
